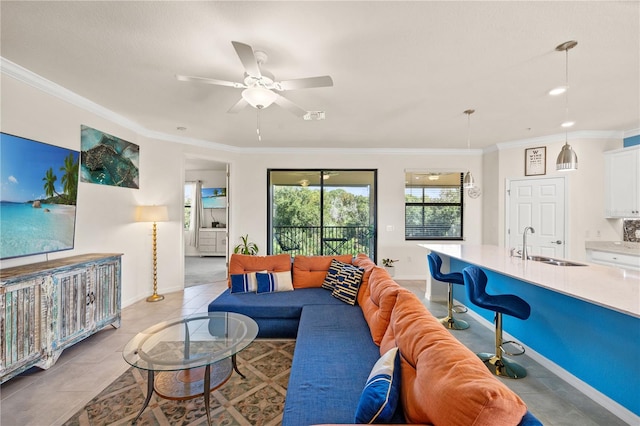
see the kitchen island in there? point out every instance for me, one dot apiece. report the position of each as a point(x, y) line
point(584, 323)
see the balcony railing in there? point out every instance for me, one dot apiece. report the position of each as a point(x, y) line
point(327, 240)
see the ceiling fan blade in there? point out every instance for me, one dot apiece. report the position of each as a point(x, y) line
point(248, 59)
point(305, 83)
point(210, 81)
point(238, 106)
point(289, 106)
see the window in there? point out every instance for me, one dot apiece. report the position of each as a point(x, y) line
point(188, 199)
point(322, 212)
point(433, 206)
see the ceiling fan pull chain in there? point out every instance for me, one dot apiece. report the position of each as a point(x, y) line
point(258, 125)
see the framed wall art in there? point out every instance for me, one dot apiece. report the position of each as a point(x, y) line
point(535, 161)
point(108, 160)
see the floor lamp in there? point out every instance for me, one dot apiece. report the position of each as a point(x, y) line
point(153, 214)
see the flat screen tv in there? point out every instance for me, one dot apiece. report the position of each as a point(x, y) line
point(38, 193)
point(214, 198)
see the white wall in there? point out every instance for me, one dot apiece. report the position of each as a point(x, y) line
point(249, 206)
point(105, 214)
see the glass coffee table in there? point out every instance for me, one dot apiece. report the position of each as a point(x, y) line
point(189, 357)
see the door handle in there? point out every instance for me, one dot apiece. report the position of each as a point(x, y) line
point(556, 242)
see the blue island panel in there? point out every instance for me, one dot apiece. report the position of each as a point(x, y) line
point(599, 346)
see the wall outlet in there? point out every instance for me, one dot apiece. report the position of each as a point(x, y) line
point(598, 233)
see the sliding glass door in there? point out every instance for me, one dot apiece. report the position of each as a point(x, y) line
point(322, 212)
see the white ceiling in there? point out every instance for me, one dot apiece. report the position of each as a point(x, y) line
point(403, 72)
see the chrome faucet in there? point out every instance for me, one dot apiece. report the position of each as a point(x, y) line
point(524, 241)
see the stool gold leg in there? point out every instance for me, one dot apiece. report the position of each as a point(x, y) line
point(499, 365)
point(449, 321)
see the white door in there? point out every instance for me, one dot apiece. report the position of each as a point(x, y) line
point(539, 203)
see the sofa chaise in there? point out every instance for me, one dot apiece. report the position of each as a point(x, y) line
point(338, 343)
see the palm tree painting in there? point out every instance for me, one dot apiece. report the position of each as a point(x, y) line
point(38, 197)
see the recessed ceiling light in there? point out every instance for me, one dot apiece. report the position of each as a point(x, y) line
point(558, 91)
point(181, 128)
point(568, 123)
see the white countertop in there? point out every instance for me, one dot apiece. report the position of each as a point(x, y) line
point(619, 247)
point(613, 288)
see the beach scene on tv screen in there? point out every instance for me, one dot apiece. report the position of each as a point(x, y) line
point(38, 194)
point(214, 198)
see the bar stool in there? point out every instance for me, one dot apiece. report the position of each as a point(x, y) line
point(435, 263)
point(476, 282)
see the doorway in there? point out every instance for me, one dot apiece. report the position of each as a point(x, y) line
point(206, 221)
point(539, 203)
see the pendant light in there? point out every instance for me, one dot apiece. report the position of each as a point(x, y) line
point(468, 181)
point(567, 159)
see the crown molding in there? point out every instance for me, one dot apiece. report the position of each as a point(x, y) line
point(631, 133)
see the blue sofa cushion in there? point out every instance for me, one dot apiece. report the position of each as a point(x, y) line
point(286, 304)
point(381, 394)
point(333, 358)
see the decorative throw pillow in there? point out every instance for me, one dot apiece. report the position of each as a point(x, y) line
point(347, 284)
point(379, 399)
point(332, 274)
point(274, 281)
point(244, 283)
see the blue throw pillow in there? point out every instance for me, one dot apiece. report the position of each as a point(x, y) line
point(274, 281)
point(381, 394)
point(244, 283)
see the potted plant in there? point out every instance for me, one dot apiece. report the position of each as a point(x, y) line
point(388, 265)
point(246, 247)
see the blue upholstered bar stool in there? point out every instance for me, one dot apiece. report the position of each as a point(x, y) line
point(476, 282)
point(435, 263)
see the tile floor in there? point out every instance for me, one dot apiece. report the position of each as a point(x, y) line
point(50, 397)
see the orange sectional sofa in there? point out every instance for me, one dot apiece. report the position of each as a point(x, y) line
point(442, 382)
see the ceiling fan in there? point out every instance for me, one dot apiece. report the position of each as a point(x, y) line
point(260, 86)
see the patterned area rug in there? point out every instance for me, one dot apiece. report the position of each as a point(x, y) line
point(256, 400)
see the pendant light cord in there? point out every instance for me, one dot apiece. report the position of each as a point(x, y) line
point(566, 92)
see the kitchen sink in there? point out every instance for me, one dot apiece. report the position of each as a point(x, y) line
point(552, 261)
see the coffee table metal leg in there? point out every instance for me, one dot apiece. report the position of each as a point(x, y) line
point(207, 391)
point(235, 366)
point(149, 393)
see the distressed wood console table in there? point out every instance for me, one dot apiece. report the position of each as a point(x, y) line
point(48, 306)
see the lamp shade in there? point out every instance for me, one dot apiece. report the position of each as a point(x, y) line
point(259, 97)
point(152, 214)
point(567, 159)
point(468, 181)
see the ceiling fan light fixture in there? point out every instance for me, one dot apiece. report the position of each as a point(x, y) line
point(259, 97)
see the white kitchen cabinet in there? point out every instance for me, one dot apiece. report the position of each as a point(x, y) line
point(212, 242)
point(618, 260)
point(622, 183)
point(48, 306)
